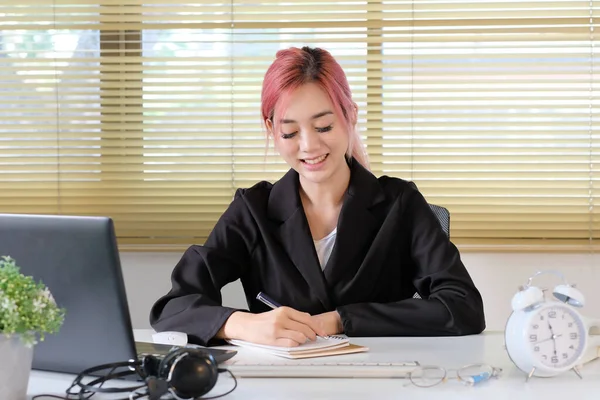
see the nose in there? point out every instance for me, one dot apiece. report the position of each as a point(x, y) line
point(309, 141)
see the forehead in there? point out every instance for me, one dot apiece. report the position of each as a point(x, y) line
point(306, 101)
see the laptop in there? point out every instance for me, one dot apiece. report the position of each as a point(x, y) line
point(78, 259)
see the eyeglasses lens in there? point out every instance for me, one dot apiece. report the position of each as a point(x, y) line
point(427, 376)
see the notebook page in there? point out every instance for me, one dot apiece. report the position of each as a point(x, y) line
point(330, 351)
point(309, 346)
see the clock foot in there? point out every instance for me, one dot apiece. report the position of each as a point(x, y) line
point(530, 375)
point(576, 370)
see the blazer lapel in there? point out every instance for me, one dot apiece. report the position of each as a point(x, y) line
point(356, 227)
point(294, 234)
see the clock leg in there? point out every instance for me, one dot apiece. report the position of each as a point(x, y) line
point(576, 370)
point(530, 375)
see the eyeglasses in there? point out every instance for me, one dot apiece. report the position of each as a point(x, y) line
point(472, 374)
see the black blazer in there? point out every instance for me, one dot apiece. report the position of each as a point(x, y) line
point(389, 244)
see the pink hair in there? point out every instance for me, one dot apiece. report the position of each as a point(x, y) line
point(295, 67)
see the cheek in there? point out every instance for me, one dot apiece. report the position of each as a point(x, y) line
point(339, 140)
point(284, 146)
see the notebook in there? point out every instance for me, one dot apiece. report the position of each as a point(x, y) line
point(323, 346)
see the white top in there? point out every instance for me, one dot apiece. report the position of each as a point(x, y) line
point(324, 247)
point(448, 352)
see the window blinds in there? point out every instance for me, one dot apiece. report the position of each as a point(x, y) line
point(148, 112)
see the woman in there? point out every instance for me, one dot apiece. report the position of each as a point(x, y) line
point(341, 250)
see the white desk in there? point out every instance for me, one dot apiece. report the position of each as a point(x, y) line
point(449, 352)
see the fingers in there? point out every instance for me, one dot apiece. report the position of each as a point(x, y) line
point(285, 342)
point(296, 337)
point(293, 320)
point(300, 327)
point(288, 327)
point(306, 319)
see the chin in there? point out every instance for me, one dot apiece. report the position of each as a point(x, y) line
point(321, 176)
point(315, 178)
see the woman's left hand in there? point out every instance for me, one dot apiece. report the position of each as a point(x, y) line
point(331, 322)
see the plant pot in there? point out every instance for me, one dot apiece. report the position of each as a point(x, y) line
point(15, 367)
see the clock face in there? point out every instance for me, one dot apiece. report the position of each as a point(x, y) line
point(556, 336)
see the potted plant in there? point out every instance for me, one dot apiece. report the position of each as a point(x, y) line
point(27, 313)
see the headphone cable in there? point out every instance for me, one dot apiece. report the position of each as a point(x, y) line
point(90, 393)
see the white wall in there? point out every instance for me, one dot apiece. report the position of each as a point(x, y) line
point(497, 275)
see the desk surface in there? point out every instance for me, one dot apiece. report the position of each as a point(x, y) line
point(449, 352)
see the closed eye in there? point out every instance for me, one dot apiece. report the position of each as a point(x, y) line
point(324, 129)
point(288, 135)
point(320, 130)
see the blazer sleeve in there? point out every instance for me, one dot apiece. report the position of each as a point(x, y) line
point(450, 304)
point(193, 305)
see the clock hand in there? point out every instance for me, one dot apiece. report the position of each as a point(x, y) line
point(550, 338)
point(553, 336)
point(542, 341)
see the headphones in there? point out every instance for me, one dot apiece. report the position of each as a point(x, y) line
point(187, 373)
point(530, 296)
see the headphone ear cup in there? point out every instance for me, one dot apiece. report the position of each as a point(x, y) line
point(527, 297)
point(190, 373)
point(194, 375)
point(164, 367)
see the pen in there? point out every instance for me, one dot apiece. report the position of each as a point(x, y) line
point(267, 300)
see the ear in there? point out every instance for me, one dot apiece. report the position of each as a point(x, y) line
point(354, 115)
point(269, 125)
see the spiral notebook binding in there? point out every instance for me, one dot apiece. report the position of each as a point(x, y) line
point(338, 337)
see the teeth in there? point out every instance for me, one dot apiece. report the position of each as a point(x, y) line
point(315, 160)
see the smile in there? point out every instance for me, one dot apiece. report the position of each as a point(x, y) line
point(317, 160)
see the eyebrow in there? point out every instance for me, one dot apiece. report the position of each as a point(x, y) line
point(319, 115)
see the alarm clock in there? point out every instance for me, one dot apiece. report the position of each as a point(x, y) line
point(546, 337)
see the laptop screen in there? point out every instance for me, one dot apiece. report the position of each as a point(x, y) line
point(77, 258)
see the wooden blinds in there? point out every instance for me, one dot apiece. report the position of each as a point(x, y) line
point(148, 111)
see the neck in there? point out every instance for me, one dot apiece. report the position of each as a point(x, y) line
point(326, 194)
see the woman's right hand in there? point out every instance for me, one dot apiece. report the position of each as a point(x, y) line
point(282, 326)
